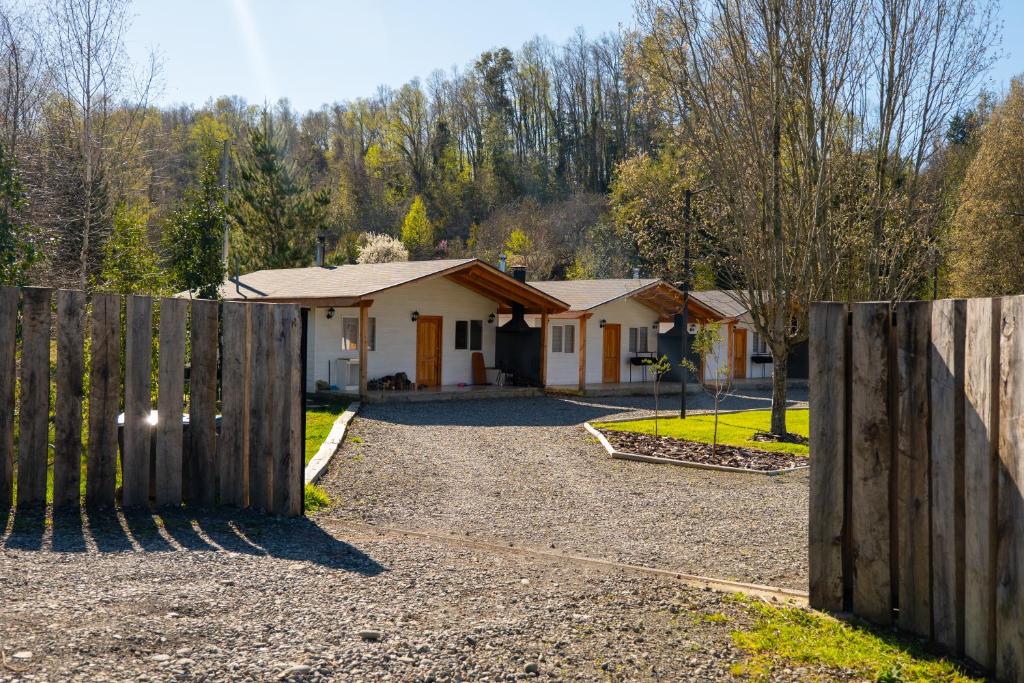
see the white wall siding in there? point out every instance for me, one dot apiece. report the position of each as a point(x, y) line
point(396, 332)
point(627, 313)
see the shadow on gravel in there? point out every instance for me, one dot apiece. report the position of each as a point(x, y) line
point(212, 531)
point(549, 411)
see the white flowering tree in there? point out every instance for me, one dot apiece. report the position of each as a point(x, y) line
point(380, 248)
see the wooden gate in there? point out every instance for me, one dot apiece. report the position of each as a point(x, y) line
point(248, 455)
point(917, 471)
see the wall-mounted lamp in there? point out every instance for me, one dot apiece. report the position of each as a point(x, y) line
point(603, 321)
point(330, 312)
point(490, 319)
point(655, 325)
point(415, 316)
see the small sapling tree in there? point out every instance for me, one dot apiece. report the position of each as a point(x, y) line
point(658, 368)
point(707, 345)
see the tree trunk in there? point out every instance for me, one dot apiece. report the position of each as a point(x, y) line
point(779, 363)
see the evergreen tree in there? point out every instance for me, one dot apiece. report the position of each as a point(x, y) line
point(276, 216)
point(417, 230)
point(130, 264)
point(193, 237)
point(16, 251)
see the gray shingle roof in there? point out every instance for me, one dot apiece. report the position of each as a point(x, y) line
point(582, 295)
point(332, 281)
point(727, 301)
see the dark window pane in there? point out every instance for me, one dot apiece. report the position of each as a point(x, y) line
point(460, 334)
point(476, 335)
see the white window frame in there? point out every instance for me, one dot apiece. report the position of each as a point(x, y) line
point(637, 335)
point(353, 344)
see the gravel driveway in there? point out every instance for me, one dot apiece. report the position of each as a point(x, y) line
point(524, 470)
point(249, 599)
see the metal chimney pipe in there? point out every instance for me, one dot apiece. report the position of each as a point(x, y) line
point(321, 248)
point(502, 262)
point(636, 272)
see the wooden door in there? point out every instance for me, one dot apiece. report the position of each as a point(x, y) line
point(428, 350)
point(611, 360)
point(739, 353)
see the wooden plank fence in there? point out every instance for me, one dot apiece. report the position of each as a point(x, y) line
point(189, 454)
point(917, 471)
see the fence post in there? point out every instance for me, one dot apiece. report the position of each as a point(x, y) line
point(913, 340)
point(104, 400)
point(136, 455)
point(262, 395)
point(827, 349)
point(871, 463)
point(1010, 523)
point(8, 338)
point(67, 445)
point(170, 401)
point(981, 437)
point(947, 471)
point(34, 417)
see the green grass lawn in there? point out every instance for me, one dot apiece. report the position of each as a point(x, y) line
point(320, 417)
point(734, 429)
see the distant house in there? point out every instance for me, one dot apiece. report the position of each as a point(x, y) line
point(610, 328)
point(420, 320)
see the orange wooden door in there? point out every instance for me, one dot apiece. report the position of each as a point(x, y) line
point(739, 353)
point(611, 358)
point(428, 350)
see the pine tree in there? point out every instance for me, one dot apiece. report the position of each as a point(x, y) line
point(417, 230)
point(276, 216)
point(16, 251)
point(193, 237)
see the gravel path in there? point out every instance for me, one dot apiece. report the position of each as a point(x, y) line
point(526, 471)
point(244, 598)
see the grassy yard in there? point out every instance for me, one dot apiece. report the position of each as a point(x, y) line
point(781, 637)
point(320, 417)
point(734, 429)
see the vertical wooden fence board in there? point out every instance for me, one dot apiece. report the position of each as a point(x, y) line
point(261, 398)
point(871, 463)
point(231, 445)
point(104, 400)
point(34, 415)
point(296, 483)
point(827, 348)
point(287, 453)
point(136, 455)
point(913, 340)
point(170, 401)
point(947, 406)
point(1010, 522)
point(981, 437)
point(8, 337)
point(203, 401)
point(67, 445)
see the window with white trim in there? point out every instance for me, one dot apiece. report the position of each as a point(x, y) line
point(469, 334)
point(350, 334)
point(638, 340)
point(760, 345)
point(563, 339)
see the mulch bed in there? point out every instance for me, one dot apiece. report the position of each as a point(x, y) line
point(695, 451)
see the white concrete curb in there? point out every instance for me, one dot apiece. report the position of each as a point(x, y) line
point(671, 461)
point(318, 465)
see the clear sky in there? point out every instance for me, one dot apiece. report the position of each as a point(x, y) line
point(321, 51)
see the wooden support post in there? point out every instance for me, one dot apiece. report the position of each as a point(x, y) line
point(34, 415)
point(1010, 523)
point(913, 349)
point(947, 471)
point(827, 339)
point(8, 337)
point(104, 400)
point(981, 437)
point(544, 348)
point(170, 402)
point(364, 324)
point(67, 445)
point(583, 319)
point(136, 452)
point(871, 463)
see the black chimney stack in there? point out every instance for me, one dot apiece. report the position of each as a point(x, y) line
point(519, 273)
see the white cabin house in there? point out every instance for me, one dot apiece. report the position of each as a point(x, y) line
point(610, 328)
point(743, 350)
point(422, 321)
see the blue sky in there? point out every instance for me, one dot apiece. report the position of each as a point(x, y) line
point(321, 51)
